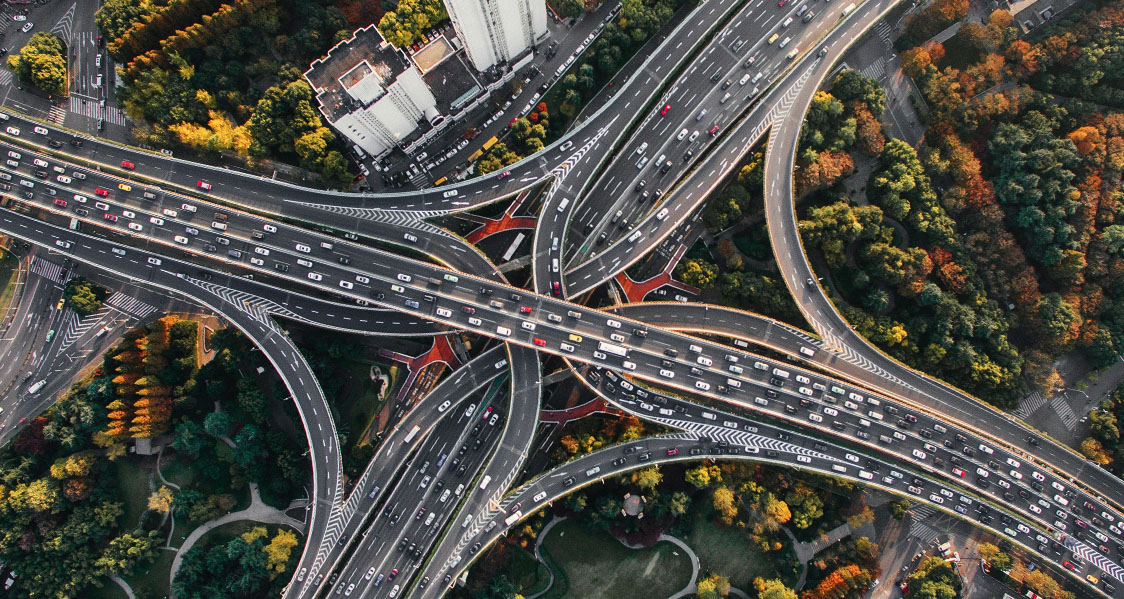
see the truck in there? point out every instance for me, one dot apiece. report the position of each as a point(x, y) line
point(611, 348)
point(75, 224)
point(413, 433)
point(512, 519)
point(35, 387)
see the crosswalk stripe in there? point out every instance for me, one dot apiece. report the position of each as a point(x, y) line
point(47, 269)
point(95, 110)
point(130, 305)
point(875, 70)
point(1061, 407)
point(1030, 404)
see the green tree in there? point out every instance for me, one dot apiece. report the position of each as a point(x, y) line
point(571, 9)
point(772, 589)
point(217, 423)
point(648, 478)
point(697, 272)
point(714, 586)
point(84, 297)
point(899, 508)
point(703, 475)
point(128, 551)
point(995, 558)
point(42, 63)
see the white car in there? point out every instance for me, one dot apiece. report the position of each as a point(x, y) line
point(27, 27)
point(181, 239)
point(13, 130)
point(159, 222)
point(936, 498)
point(136, 227)
point(667, 374)
point(41, 130)
point(19, 18)
point(315, 276)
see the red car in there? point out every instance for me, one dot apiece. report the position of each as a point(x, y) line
point(673, 451)
point(111, 217)
point(714, 130)
point(557, 287)
point(204, 185)
point(958, 472)
point(780, 2)
point(663, 111)
point(125, 164)
point(503, 175)
point(61, 203)
point(540, 342)
point(101, 192)
point(524, 309)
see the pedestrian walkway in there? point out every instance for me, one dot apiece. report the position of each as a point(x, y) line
point(806, 551)
point(1030, 404)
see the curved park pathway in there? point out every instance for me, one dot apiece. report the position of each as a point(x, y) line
point(258, 511)
point(687, 591)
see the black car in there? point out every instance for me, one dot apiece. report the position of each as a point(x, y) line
point(54, 143)
point(76, 142)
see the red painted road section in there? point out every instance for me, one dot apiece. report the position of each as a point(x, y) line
point(596, 406)
point(636, 291)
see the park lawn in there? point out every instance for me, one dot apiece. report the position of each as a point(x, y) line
point(361, 411)
point(177, 471)
point(728, 551)
point(134, 491)
point(593, 565)
point(527, 573)
point(227, 532)
point(153, 581)
point(108, 590)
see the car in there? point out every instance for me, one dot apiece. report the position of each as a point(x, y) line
point(773, 38)
point(13, 131)
point(540, 342)
point(19, 18)
point(714, 130)
point(102, 192)
point(125, 164)
point(180, 239)
point(27, 27)
point(525, 309)
point(665, 109)
point(61, 203)
point(203, 185)
point(124, 187)
point(503, 175)
point(110, 217)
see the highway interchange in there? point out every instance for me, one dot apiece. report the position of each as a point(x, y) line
point(186, 241)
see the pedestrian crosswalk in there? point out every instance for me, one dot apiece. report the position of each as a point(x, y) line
point(1030, 405)
point(95, 110)
point(421, 180)
point(1061, 407)
point(57, 115)
point(876, 70)
point(918, 514)
point(883, 31)
point(48, 270)
point(6, 77)
point(130, 305)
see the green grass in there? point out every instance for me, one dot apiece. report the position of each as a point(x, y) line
point(8, 265)
point(227, 532)
point(134, 490)
point(526, 572)
point(176, 471)
point(153, 581)
point(754, 242)
point(361, 411)
point(729, 552)
point(109, 590)
point(593, 565)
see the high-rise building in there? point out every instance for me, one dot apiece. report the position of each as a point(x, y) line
point(496, 31)
point(371, 92)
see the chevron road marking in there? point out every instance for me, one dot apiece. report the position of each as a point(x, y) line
point(397, 218)
point(64, 28)
point(76, 327)
point(1090, 555)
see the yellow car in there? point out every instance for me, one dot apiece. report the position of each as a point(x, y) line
point(125, 187)
point(58, 306)
point(575, 338)
point(774, 38)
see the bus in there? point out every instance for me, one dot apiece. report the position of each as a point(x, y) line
point(850, 9)
point(440, 181)
point(610, 348)
point(413, 433)
point(512, 519)
point(488, 144)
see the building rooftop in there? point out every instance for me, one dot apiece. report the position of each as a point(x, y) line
point(354, 72)
point(453, 82)
point(433, 53)
point(1031, 14)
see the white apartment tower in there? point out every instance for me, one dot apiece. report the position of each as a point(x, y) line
point(495, 31)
